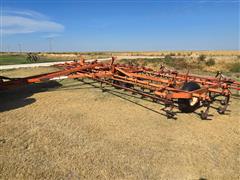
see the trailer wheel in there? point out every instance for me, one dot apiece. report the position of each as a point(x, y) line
point(189, 105)
point(123, 84)
point(117, 83)
point(128, 85)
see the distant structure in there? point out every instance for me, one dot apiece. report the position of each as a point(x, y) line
point(20, 47)
point(50, 44)
point(32, 58)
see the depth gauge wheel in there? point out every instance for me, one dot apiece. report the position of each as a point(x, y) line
point(123, 84)
point(189, 105)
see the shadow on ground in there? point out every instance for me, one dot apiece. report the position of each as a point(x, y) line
point(125, 96)
point(21, 97)
point(118, 93)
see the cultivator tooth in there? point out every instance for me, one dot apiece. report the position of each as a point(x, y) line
point(173, 89)
point(204, 114)
point(168, 108)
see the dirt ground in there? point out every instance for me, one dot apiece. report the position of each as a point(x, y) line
point(72, 130)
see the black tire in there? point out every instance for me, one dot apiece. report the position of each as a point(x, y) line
point(123, 84)
point(185, 105)
point(117, 83)
point(128, 85)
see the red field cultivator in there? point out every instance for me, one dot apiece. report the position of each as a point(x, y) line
point(172, 89)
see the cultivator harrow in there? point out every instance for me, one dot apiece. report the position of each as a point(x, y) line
point(174, 90)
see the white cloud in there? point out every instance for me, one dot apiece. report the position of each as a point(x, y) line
point(29, 13)
point(51, 35)
point(22, 22)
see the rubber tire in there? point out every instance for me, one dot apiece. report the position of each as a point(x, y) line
point(117, 83)
point(126, 85)
point(184, 105)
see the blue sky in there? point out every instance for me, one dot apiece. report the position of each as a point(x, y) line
point(120, 25)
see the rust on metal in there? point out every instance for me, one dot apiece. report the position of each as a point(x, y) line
point(173, 89)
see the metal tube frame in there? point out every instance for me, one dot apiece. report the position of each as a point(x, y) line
point(163, 86)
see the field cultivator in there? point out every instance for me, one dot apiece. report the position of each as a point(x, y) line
point(174, 90)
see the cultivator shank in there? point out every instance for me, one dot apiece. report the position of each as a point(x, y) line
point(174, 90)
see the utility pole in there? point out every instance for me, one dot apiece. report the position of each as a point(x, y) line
point(50, 44)
point(8, 48)
point(20, 47)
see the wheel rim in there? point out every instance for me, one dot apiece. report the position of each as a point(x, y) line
point(193, 101)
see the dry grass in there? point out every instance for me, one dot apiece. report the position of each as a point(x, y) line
point(74, 55)
point(225, 65)
point(24, 72)
point(77, 132)
point(151, 53)
point(182, 53)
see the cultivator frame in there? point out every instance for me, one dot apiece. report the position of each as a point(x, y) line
point(186, 92)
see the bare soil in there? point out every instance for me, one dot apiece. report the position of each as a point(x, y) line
point(72, 130)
